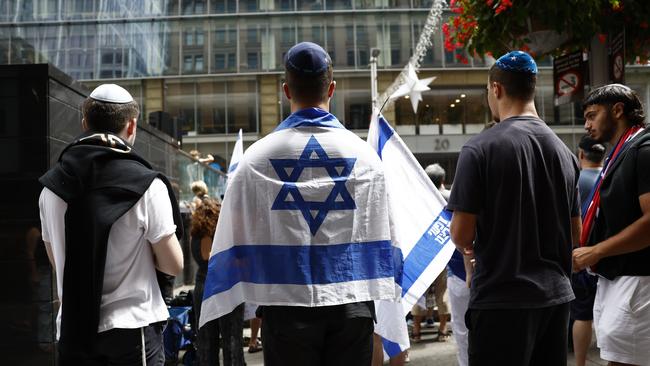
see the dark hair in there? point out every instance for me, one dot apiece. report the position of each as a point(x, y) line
point(205, 217)
point(309, 88)
point(518, 85)
point(594, 151)
point(108, 117)
point(616, 93)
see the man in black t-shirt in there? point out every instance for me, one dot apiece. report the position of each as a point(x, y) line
point(516, 208)
point(615, 242)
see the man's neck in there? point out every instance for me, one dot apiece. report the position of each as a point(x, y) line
point(295, 107)
point(512, 108)
point(586, 164)
point(621, 127)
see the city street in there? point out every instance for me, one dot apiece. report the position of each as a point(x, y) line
point(428, 352)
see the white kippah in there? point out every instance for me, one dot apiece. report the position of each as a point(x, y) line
point(111, 93)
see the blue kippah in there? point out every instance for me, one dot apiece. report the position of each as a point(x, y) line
point(307, 58)
point(517, 61)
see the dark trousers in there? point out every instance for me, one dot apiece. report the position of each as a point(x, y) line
point(121, 347)
point(518, 337)
point(230, 326)
point(315, 341)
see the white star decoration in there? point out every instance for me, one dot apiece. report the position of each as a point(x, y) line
point(413, 88)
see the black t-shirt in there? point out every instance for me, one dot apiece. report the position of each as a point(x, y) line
point(627, 179)
point(522, 183)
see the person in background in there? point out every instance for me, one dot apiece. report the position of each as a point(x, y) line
point(230, 326)
point(200, 190)
point(194, 169)
point(437, 175)
point(615, 241)
point(254, 344)
point(590, 156)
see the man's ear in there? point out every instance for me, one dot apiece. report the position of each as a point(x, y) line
point(618, 110)
point(131, 126)
point(497, 89)
point(330, 90)
point(286, 90)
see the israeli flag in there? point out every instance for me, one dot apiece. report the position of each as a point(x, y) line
point(419, 227)
point(237, 153)
point(304, 222)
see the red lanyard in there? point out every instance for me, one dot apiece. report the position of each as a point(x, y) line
point(594, 205)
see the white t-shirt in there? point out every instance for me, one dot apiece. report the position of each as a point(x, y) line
point(131, 296)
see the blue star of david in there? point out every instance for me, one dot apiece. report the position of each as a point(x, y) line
point(339, 170)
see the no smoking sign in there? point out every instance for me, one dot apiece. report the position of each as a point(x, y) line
point(617, 67)
point(568, 83)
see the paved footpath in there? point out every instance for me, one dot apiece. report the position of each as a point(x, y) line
point(428, 352)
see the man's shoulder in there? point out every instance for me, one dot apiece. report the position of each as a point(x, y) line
point(296, 140)
point(157, 190)
point(48, 197)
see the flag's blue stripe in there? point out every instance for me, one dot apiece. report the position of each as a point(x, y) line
point(392, 349)
point(425, 250)
point(298, 264)
point(232, 167)
point(310, 117)
point(385, 133)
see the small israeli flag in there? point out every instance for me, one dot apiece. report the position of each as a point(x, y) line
point(419, 227)
point(237, 153)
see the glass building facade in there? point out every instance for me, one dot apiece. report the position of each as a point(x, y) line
point(213, 67)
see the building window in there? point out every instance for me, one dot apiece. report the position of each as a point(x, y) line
point(220, 61)
point(193, 6)
point(220, 36)
point(350, 58)
point(189, 38)
point(252, 59)
point(198, 63)
point(188, 63)
point(209, 106)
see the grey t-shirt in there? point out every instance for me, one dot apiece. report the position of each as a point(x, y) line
point(522, 183)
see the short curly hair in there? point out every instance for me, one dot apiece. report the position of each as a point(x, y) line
point(205, 217)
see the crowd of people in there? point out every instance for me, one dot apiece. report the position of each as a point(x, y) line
point(543, 237)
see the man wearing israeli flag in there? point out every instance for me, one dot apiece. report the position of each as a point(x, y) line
point(305, 231)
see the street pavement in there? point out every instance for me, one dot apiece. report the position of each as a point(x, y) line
point(428, 352)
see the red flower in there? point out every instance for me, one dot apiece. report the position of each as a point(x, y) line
point(602, 38)
point(449, 47)
point(489, 2)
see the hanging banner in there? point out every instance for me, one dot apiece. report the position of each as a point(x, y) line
point(570, 77)
point(617, 58)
